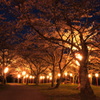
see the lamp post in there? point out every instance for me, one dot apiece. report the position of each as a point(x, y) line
point(23, 74)
point(33, 79)
point(59, 74)
point(41, 79)
point(50, 79)
point(90, 78)
point(71, 75)
point(30, 78)
point(97, 75)
point(65, 74)
point(47, 79)
point(5, 72)
point(18, 77)
point(27, 79)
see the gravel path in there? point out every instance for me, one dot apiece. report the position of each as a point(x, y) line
point(20, 92)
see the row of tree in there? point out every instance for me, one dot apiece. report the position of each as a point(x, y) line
point(50, 33)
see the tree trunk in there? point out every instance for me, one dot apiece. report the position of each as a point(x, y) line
point(53, 76)
point(86, 91)
point(3, 80)
point(37, 80)
point(59, 81)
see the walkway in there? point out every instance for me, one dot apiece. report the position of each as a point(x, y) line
point(21, 92)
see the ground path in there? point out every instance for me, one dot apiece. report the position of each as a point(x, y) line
point(21, 92)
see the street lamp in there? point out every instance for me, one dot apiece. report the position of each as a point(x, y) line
point(90, 78)
point(33, 79)
point(18, 77)
point(50, 78)
point(41, 79)
point(50, 74)
point(97, 75)
point(65, 73)
point(27, 78)
point(5, 72)
point(71, 75)
point(23, 74)
point(30, 78)
point(47, 79)
point(59, 74)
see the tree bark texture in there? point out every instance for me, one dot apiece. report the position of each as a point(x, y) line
point(86, 91)
point(37, 80)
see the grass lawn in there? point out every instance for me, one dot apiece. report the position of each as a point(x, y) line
point(64, 92)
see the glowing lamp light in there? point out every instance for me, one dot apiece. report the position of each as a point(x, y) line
point(78, 56)
point(71, 74)
point(47, 77)
point(33, 77)
point(23, 73)
point(89, 75)
point(96, 75)
point(50, 78)
point(27, 76)
point(50, 74)
point(59, 74)
point(18, 75)
point(65, 73)
point(6, 70)
point(30, 76)
point(41, 77)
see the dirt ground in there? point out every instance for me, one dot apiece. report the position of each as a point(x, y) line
point(21, 92)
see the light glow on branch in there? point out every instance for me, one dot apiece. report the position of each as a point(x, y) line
point(6, 70)
point(78, 56)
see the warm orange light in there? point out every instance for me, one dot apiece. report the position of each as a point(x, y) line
point(47, 77)
point(59, 74)
point(71, 74)
point(78, 56)
point(65, 73)
point(27, 76)
point(50, 78)
point(30, 76)
point(23, 73)
point(89, 75)
point(77, 63)
point(41, 77)
point(24, 77)
point(6, 70)
point(18, 75)
point(50, 74)
point(33, 77)
point(96, 75)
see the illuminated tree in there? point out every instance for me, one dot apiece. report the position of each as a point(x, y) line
point(71, 23)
